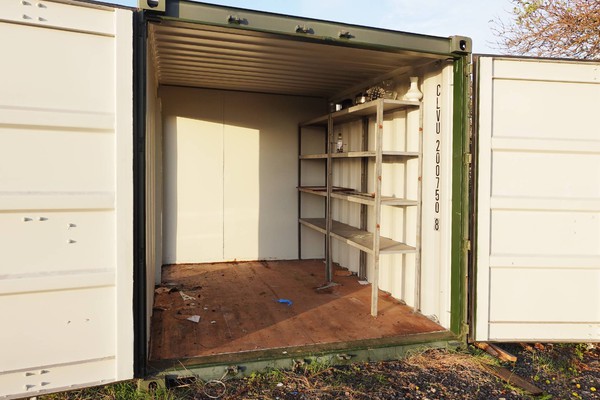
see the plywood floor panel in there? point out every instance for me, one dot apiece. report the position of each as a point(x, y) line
point(239, 312)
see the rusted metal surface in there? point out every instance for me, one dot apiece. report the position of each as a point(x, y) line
point(239, 310)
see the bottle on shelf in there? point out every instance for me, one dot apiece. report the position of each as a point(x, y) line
point(340, 144)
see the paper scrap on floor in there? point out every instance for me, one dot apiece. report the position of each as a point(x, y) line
point(194, 318)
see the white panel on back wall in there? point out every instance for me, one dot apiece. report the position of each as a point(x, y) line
point(243, 186)
point(230, 174)
point(261, 174)
point(193, 187)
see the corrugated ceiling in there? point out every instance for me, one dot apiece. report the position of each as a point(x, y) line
point(235, 59)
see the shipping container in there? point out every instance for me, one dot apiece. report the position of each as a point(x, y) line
point(190, 189)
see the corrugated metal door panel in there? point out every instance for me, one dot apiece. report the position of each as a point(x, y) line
point(66, 181)
point(538, 230)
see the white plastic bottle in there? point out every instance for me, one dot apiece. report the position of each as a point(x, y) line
point(340, 144)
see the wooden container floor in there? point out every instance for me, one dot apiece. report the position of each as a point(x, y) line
point(238, 309)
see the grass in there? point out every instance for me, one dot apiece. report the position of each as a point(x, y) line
point(119, 391)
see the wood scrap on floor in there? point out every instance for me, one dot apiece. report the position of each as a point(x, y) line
point(539, 346)
point(526, 346)
point(513, 379)
point(496, 351)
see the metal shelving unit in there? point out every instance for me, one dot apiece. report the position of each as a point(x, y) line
point(361, 154)
point(357, 197)
point(358, 238)
point(368, 241)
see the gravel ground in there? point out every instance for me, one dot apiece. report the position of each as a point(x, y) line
point(562, 371)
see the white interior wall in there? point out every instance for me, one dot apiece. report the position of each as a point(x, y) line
point(401, 133)
point(230, 174)
point(437, 162)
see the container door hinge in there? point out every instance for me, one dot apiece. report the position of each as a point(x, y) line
point(468, 158)
point(468, 245)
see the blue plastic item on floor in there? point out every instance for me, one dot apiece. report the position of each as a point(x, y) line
point(285, 301)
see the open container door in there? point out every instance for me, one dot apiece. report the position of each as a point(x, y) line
point(66, 198)
point(537, 256)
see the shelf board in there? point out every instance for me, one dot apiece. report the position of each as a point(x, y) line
point(355, 237)
point(361, 154)
point(361, 110)
point(354, 196)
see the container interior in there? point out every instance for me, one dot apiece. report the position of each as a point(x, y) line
point(223, 142)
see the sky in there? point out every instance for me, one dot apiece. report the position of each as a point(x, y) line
point(433, 17)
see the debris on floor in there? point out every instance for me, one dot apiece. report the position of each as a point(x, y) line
point(171, 299)
point(186, 297)
point(327, 285)
point(194, 318)
point(285, 301)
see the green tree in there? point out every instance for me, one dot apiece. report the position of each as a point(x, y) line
point(551, 28)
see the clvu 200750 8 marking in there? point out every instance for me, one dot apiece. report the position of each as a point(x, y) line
point(438, 156)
